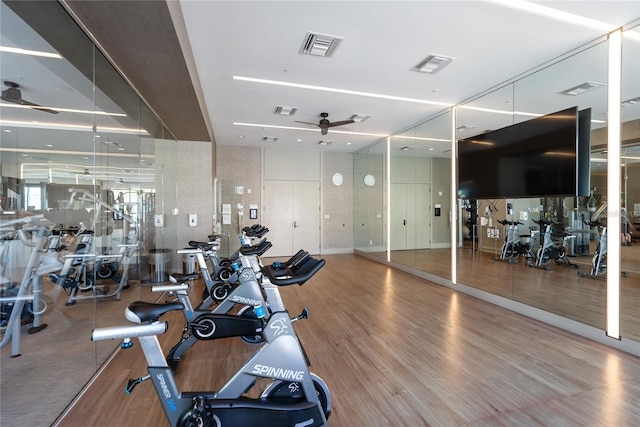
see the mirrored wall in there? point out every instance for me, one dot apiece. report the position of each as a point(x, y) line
point(84, 166)
point(557, 261)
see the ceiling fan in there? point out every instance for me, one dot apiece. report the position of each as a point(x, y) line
point(325, 124)
point(13, 94)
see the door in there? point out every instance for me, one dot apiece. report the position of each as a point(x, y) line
point(292, 214)
point(410, 216)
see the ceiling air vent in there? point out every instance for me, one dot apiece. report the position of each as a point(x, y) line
point(325, 142)
point(359, 117)
point(320, 44)
point(285, 111)
point(269, 138)
point(432, 64)
point(633, 101)
point(584, 87)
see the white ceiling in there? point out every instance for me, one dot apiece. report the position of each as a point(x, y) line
point(383, 40)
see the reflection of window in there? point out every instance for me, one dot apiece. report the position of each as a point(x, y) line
point(34, 198)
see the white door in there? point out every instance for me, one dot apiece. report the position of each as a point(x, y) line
point(292, 214)
point(398, 228)
point(410, 216)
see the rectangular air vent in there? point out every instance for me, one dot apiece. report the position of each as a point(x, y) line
point(269, 138)
point(285, 111)
point(359, 117)
point(320, 44)
point(432, 64)
point(632, 101)
point(584, 87)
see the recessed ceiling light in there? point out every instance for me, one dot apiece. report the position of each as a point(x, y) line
point(431, 149)
point(269, 138)
point(348, 143)
point(633, 101)
point(299, 139)
point(285, 111)
point(359, 117)
point(582, 88)
point(432, 64)
point(325, 142)
point(319, 44)
point(120, 148)
point(48, 145)
point(7, 130)
point(406, 148)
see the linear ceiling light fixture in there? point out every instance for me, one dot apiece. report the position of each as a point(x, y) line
point(432, 64)
point(20, 51)
point(344, 91)
point(513, 113)
point(420, 138)
point(318, 44)
point(71, 126)
point(582, 88)
point(66, 110)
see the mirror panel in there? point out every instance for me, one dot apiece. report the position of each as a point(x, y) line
point(630, 153)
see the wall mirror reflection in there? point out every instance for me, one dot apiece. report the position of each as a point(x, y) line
point(547, 248)
point(78, 166)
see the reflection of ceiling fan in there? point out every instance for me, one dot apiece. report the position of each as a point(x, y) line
point(13, 94)
point(325, 124)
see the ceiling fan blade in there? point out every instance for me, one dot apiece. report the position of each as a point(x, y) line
point(306, 123)
point(38, 107)
point(343, 122)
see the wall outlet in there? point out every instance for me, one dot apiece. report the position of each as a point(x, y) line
point(193, 220)
point(158, 220)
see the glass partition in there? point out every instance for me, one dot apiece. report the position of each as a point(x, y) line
point(630, 191)
point(82, 160)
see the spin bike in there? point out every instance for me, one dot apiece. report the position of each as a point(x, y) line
point(549, 249)
point(205, 324)
point(294, 398)
point(599, 259)
point(513, 245)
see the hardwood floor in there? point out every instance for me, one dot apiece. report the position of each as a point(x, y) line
point(397, 350)
point(559, 291)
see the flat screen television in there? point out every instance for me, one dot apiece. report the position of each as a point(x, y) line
point(536, 158)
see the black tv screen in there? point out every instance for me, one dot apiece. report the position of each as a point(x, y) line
point(534, 158)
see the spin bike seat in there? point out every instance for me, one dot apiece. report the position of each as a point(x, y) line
point(142, 311)
point(179, 277)
point(205, 246)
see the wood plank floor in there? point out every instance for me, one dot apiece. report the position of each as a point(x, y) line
point(396, 350)
point(560, 291)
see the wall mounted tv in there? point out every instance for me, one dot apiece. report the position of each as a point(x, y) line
point(545, 156)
